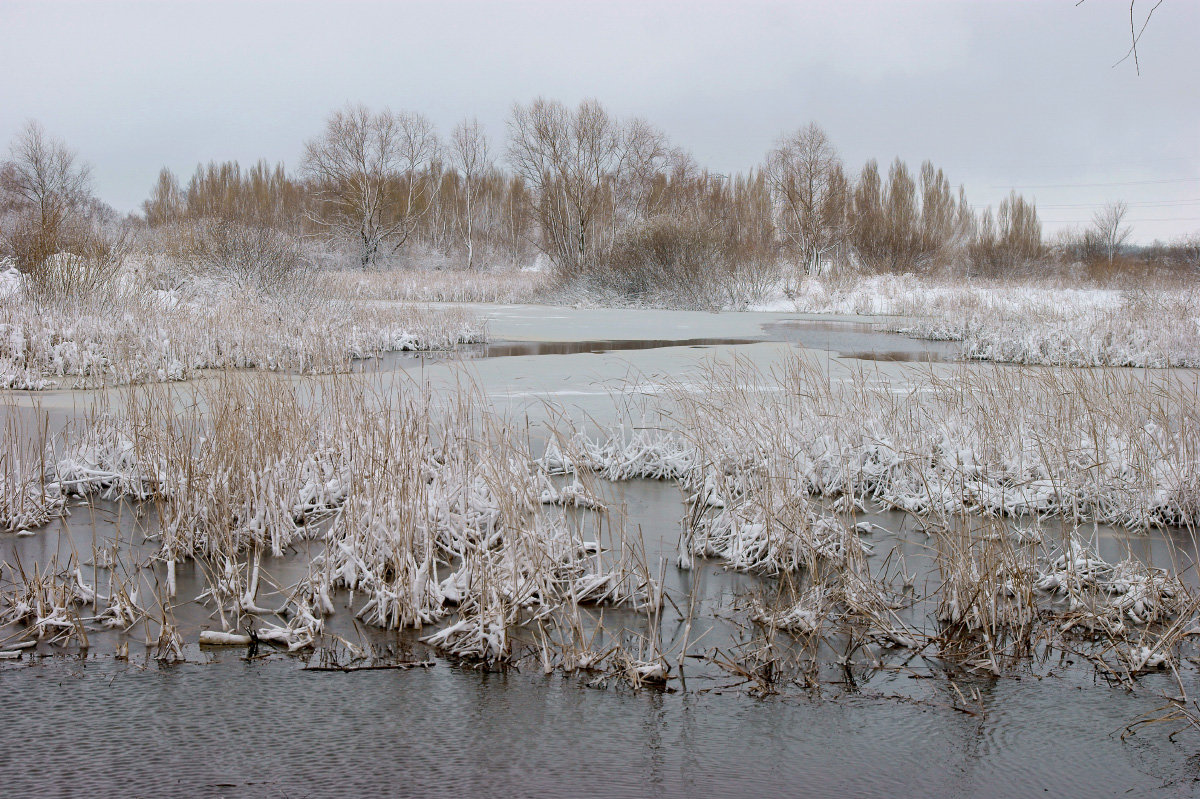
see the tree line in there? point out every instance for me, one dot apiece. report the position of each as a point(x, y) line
point(607, 201)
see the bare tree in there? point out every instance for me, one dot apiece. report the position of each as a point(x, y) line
point(166, 201)
point(810, 192)
point(1109, 226)
point(1019, 230)
point(868, 233)
point(937, 210)
point(471, 155)
point(901, 218)
point(47, 187)
point(588, 172)
point(367, 171)
point(647, 157)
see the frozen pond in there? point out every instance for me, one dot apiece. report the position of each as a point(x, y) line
point(582, 358)
point(237, 722)
point(852, 337)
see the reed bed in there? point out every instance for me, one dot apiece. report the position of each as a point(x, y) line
point(129, 335)
point(436, 285)
point(1152, 329)
point(918, 295)
point(47, 600)
point(1034, 322)
point(424, 509)
point(1002, 470)
point(1104, 446)
point(29, 495)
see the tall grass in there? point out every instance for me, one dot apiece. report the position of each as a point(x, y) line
point(133, 335)
point(1156, 329)
point(425, 507)
point(777, 467)
point(428, 511)
point(427, 285)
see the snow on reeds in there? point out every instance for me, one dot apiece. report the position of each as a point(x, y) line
point(912, 295)
point(47, 600)
point(773, 480)
point(1033, 322)
point(426, 508)
point(426, 511)
point(128, 335)
point(29, 498)
point(433, 285)
point(1154, 329)
point(1108, 446)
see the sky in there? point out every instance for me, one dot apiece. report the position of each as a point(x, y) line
point(1001, 95)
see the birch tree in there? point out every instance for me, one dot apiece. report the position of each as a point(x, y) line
point(49, 189)
point(588, 171)
point(1110, 228)
point(471, 156)
point(810, 193)
point(367, 171)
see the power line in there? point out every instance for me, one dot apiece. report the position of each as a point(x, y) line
point(1096, 185)
point(1146, 204)
point(1095, 164)
point(1129, 221)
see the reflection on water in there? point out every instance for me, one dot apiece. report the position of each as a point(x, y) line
point(503, 349)
point(509, 349)
point(268, 729)
point(895, 356)
point(861, 341)
point(846, 339)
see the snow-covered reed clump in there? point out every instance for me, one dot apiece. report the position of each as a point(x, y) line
point(423, 508)
point(244, 464)
point(29, 495)
point(624, 454)
point(912, 295)
point(861, 295)
point(1112, 447)
point(1032, 323)
point(1154, 329)
point(773, 481)
point(435, 285)
point(129, 335)
point(1098, 593)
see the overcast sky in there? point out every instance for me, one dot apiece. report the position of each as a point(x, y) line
point(1005, 94)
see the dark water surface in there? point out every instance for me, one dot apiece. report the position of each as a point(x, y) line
point(267, 729)
point(861, 341)
point(503, 349)
point(224, 726)
point(847, 339)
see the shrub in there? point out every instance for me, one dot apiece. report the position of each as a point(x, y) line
point(246, 256)
point(679, 262)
